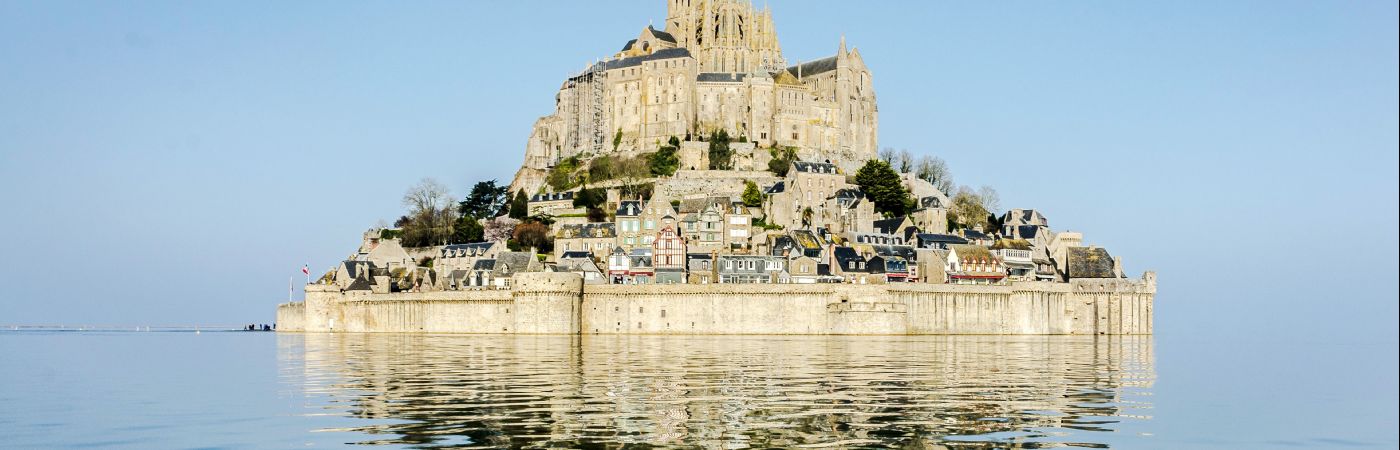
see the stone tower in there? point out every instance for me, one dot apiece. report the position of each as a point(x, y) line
point(726, 35)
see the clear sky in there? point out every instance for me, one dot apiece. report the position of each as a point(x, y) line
point(175, 162)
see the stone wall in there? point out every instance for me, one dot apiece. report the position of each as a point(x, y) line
point(559, 303)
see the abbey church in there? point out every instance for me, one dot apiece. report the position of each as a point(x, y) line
point(717, 65)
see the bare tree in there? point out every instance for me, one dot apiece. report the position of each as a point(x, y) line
point(991, 201)
point(888, 155)
point(430, 214)
point(905, 162)
point(935, 171)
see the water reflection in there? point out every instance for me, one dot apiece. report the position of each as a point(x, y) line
point(431, 391)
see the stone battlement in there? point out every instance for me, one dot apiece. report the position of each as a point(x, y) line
point(559, 303)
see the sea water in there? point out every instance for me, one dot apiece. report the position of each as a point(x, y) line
point(216, 389)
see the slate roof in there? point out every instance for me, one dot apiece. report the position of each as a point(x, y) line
point(461, 250)
point(782, 244)
point(360, 284)
point(629, 45)
point(575, 255)
point(720, 77)
point(940, 238)
point(629, 208)
point(776, 188)
point(902, 251)
point(552, 196)
point(662, 35)
point(511, 263)
point(848, 197)
point(587, 230)
point(975, 235)
point(888, 226)
point(1090, 262)
point(844, 254)
point(1027, 231)
point(484, 264)
point(814, 167)
point(578, 265)
point(819, 66)
point(665, 53)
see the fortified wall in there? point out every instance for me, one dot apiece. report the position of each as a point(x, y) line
point(559, 303)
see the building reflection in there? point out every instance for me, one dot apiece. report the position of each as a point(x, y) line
point(731, 391)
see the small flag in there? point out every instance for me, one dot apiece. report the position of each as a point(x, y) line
point(306, 269)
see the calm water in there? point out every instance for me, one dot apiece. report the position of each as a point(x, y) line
point(262, 390)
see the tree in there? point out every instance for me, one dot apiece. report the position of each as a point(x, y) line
point(589, 198)
point(467, 230)
point(485, 200)
point(991, 201)
point(617, 139)
point(782, 160)
point(967, 210)
point(665, 161)
point(430, 215)
point(520, 205)
point(906, 161)
point(887, 155)
point(498, 229)
point(561, 177)
point(533, 234)
point(601, 168)
point(884, 188)
point(935, 171)
point(752, 196)
point(720, 154)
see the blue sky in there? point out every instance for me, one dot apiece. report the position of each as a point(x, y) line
point(175, 162)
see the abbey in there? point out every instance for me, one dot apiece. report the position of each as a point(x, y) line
point(716, 66)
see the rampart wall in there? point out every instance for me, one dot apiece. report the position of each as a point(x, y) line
point(559, 303)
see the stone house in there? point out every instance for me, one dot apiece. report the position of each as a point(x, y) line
point(930, 266)
point(510, 263)
point(703, 228)
point(657, 213)
point(633, 267)
point(628, 220)
point(551, 203)
point(668, 255)
point(799, 200)
point(894, 267)
point(738, 227)
point(596, 238)
point(464, 256)
point(802, 269)
point(847, 211)
point(700, 268)
point(931, 215)
point(581, 263)
point(481, 274)
point(1019, 265)
point(748, 269)
point(974, 264)
point(389, 254)
point(851, 266)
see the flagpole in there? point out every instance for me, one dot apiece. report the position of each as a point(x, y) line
point(289, 289)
